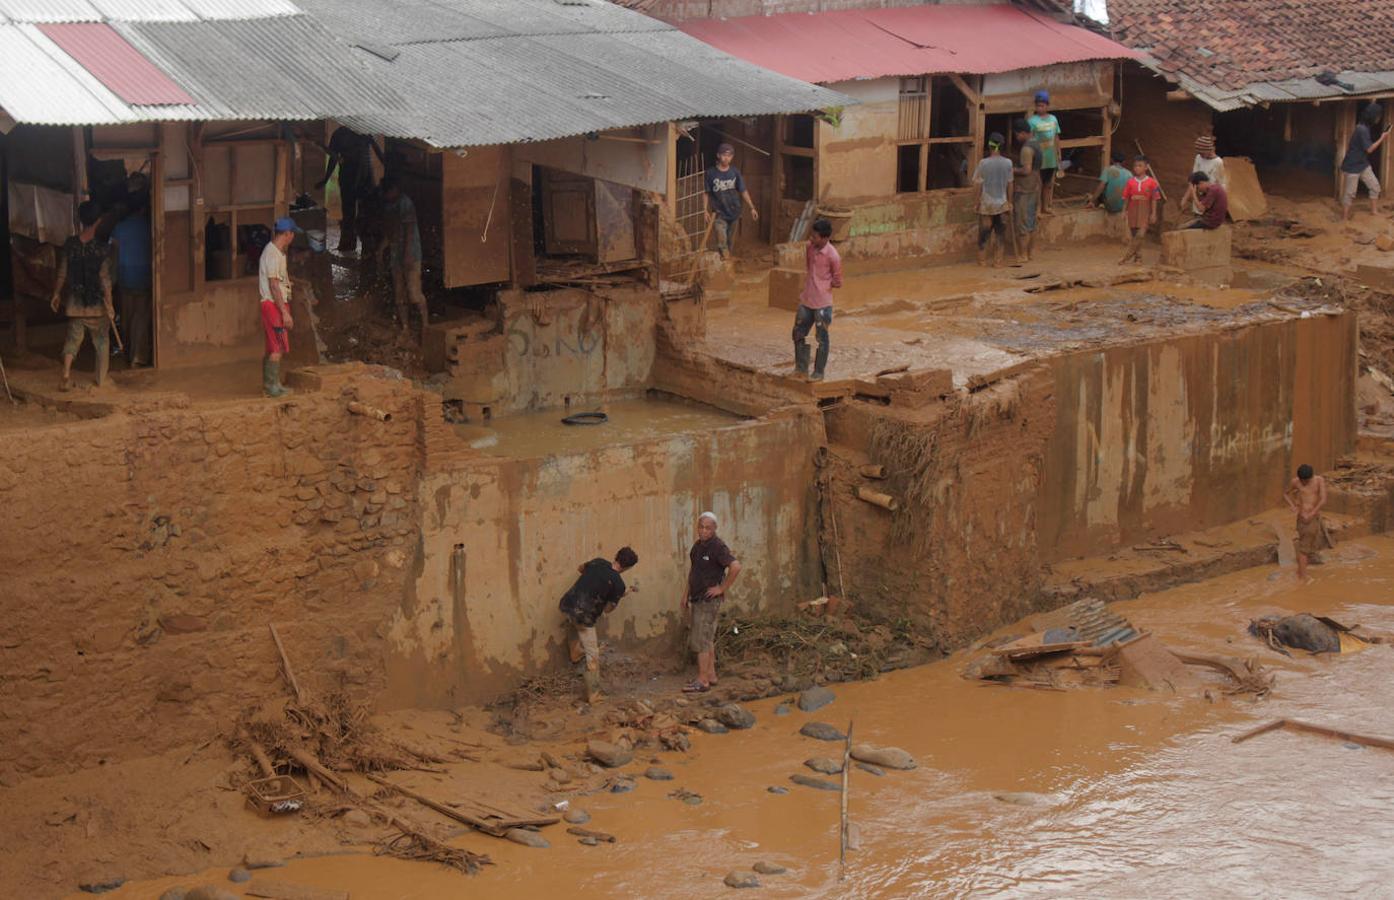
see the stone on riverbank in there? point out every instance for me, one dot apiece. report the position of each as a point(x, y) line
point(823, 765)
point(815, 698)
point(733, 715)
point(886, 757)
point(822, 731)
point(576, 817)
point(712, 726)
point(819, 783)
point(527, 838)
point(769, 868)
point(742, 880)
point(609, 755)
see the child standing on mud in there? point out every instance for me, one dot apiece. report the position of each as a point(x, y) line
point(1306, 495)
point(1140, 196)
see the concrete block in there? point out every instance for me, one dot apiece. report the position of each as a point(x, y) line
point(785, 285)
point(1200, 252)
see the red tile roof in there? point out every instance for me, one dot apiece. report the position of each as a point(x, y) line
point(828, 47)
point(112, 60)
point(1231, 44)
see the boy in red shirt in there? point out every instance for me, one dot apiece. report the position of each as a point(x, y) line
point(1140, 196)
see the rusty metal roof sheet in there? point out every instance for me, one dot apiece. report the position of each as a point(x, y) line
point(510, 71)
point(842, 45)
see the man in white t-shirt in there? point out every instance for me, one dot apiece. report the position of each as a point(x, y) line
point(1213, 167)
point(273, 278)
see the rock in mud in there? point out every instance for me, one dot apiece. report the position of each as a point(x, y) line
point(815, 698)
point(823, 765)
point(560, 776)
point(609, 755)
point(819, 783)
point(589, 841)
point(777, 789)
point(1022, 798)
point(885, 757)
point(622, 785)
point(712, 726)
point(576, 817)
point(527, 838)
point(822, 731)
point(210, 892)
point(784, 708)
point(239, 875)
point(175, 893)
point(1302, 631)
point(261, 860)
point(654, 773)
point(742, 880)
point(869, 769)
point(357, 818)
point(733, 715)
point(101, 884)
point(769, 868)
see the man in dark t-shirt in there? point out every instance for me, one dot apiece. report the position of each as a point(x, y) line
point(353, 154)
point(1355, 165)
point(726, 198)
point(714, 569)
point(596, 592)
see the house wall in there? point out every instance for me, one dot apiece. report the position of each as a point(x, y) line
point(857, 159)
point(1166, 129)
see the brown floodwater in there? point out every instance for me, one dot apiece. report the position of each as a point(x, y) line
point(1108, 792)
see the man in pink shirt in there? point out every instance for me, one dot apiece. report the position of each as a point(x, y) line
point(822, 273)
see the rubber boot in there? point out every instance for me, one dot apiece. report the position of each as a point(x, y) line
point(271, 378)
point(820, 360)
point(801, 357)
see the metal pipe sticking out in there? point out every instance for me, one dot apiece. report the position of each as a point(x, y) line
point(872, 470)
point(876, 498)
point(372, 412)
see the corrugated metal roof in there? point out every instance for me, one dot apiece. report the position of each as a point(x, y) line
point(531, 70)
point(843, 45)
point(141, 10)
point(112, 60)
point(280, 68)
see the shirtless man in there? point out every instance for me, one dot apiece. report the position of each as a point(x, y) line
point(1306, 495)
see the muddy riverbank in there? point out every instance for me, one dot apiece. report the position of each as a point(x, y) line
point(1100, 792)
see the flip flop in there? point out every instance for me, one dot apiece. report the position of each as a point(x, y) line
point(695, 687)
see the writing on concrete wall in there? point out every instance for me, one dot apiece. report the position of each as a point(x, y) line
point(522, 343)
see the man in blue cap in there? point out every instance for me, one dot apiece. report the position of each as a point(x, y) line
point(1045, 130)
point(273, 278)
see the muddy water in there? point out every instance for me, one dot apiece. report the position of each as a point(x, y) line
point(1110, 793)
point(526, 435)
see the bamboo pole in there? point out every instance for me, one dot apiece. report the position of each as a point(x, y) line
point(846, 772)
point(876, 498)
point(1367, 740)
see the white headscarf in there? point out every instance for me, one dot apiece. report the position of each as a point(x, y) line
point(712, 516)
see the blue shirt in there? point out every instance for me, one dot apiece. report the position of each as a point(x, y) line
point(1115, 178)
point(132, 237)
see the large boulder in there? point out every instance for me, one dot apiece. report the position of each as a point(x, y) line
point(885, 757)
point(609, 755)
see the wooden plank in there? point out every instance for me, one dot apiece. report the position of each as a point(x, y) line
point(1246, 198)
point(488, 819)
point(281, 890)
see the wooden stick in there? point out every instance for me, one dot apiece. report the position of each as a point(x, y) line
point(6, 379)
point(258, 753)
point(837, 552)
point(448, 812)
point(846, 771)
point(285, 664)
point(1367, 740)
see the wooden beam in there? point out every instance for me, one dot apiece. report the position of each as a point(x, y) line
point(157, 248)
point(973, 96)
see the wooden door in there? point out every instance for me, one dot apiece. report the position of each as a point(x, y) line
point(568, 214)
point(614, 221)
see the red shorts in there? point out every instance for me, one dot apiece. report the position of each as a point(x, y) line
point(277, 338)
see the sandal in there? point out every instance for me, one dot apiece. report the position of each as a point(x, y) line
point(695, 687)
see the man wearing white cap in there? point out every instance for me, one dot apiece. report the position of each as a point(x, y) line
point(714, 569)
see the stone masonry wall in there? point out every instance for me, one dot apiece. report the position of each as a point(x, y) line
point(142, 558)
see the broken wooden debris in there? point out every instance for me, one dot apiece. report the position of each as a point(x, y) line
point(285, 664)
point(489, 819)
point(587, 833)
point(280, 890)
point(1367, 740)
point(371, 412)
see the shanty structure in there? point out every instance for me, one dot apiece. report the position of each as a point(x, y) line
point(557, 120)
point(932, 82)
point(523, 129)
point(1279, 81)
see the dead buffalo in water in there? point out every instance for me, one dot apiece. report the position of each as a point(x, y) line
point(1303, 631)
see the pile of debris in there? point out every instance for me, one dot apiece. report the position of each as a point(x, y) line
point(835, 647)
point(1315, 634)
point(1086, 644)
